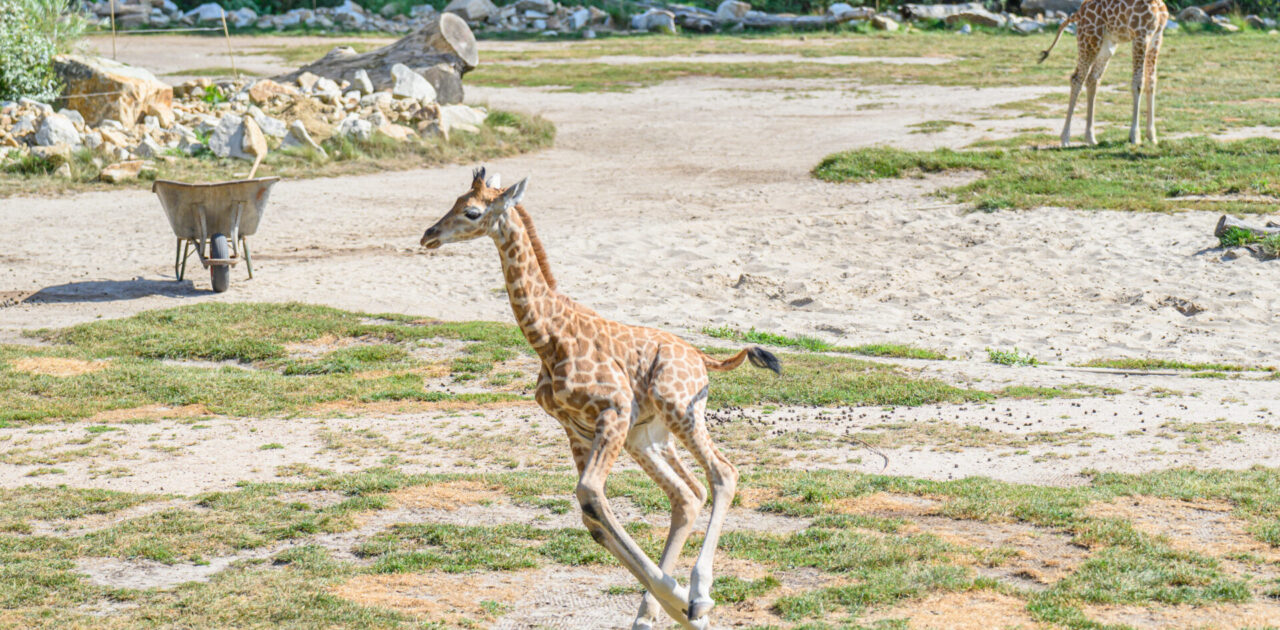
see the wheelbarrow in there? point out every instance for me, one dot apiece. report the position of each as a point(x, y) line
point(213, 220)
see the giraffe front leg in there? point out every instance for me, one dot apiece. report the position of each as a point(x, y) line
point(1077, 80)
point(723, 478)
point(1149, 71)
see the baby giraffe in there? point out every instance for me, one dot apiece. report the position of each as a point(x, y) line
point(612, 387)
point(1100, 25)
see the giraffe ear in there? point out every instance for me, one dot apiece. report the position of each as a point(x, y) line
point(513, 195)
point(494, 181)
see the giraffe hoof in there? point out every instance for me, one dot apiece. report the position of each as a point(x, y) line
point(642, 624)
point(698, 608)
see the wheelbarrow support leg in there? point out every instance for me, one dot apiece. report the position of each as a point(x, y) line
point(248, 260)
point(181, 257)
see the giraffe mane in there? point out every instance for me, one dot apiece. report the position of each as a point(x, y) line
point(538, 250)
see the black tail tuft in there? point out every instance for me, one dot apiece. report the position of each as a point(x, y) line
point(762, 358)
point(1044, 54)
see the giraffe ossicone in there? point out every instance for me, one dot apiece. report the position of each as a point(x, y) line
point(1100, 26)
point(612, 387)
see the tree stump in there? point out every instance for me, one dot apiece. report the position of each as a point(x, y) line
point(1228, 222)
point(442, 51)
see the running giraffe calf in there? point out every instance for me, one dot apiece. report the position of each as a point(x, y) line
point(1100, 25)
point(612, 387)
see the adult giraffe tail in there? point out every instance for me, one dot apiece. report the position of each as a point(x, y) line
point(1044, 54)
point(758, 356)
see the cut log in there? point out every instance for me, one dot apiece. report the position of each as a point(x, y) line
point(1221, 6)
point(444, 48)
point(1228, 222)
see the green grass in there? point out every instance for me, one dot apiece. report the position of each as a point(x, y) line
point(813, 344)
point(937, 126)
point(503, 134)
point(1170, 364)
point(1113, 175)
point(218, 72)
point(1234, 237)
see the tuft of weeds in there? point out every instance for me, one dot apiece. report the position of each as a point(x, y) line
point(1010, 357)
point(1171, 364)
point(814, 344)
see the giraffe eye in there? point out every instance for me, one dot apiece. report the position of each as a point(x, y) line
point(472, 213)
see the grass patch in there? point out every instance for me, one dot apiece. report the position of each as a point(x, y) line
point(1234, 237)
point(1170, 364)
point(813, 344)
point(937, 126)
point(217, 72)
point(503, 134)
point(1010, 357)
point(1113, 175)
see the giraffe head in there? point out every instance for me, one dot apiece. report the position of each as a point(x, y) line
point(482, 210)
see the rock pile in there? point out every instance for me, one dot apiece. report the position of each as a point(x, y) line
point(230, 119)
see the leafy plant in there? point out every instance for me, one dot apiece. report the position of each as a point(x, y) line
point(31, 33)
point(213, 95)
point(1011, 357)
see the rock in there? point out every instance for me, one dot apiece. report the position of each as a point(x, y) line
point(361, 80)
point(298, 137)
point(422, 11)
point(460, 118)
point(114, 136)
point(92, 140)
point(966, 29)
point(263, 91)
point(1228, 27)
point(148, 148)
point(353, 127)
point(253, 142)
point(732, 10)
point(101, 88)
point(121, 171)
point(56, 129)
point(227, 139)
point(976, 17)
point(72, 115)
point(242, 18)
point(207, 12)
point(1194, 14)
point(472, 10)
point(655, 20)
point(883, 23)
point(396, 132)
point(381, 100)
point(350, 15)
point(410, 84)
point(273, 127)
point(162, 113)
point(1037, 7)
point(55, 155)
point(938, 11)
point(446, 81)
point(588, 34)
point(24, 127)
point(843, 12)
point(1025, 26)
point(307, 81)
point(578, 19)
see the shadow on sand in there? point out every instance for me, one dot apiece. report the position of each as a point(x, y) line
point(112, 290)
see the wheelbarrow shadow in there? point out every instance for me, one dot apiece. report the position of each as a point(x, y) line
point(112, 291)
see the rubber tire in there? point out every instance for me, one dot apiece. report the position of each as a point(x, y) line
point(219, 275)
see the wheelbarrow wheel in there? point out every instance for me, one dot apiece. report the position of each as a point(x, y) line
point(219, 275)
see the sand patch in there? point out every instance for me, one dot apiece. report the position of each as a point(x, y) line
point(398, 407)
point(1200, 526)
point(978, 610)
point(1259, 614)
point(448, 496)
point(440, 596)
point(58, 366)
point(885, 504)
point(151, 412)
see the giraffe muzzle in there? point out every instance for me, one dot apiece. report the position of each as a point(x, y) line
point(430, 239)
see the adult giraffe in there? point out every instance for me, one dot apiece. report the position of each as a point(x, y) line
point(1100, 25)
point(612, 387)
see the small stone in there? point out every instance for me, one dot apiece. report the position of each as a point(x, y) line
point(93, 140)
point(410, 84)
point(227, 139)
point(254, 142)
point(72, 115)
point(353, 127)
point(148, 148)
point(298, 137)
point(360, 79)
point(1194, 14)
point(57, 129)
point(307, 81)
point(883, 23)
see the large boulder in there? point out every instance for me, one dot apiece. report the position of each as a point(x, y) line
point(1194, 14)
point(102, 89)
point(207, 12)
point(472, 10)
point(655, 20)
point(1045, 7)
point(410, 84)
point(938, 11)
point(976, 17)
point(227, 139)
point(732, 10)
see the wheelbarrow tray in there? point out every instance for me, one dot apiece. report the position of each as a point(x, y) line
point(198, 211)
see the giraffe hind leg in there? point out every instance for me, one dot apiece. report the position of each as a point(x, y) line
point(1095, 76)
point(1149, 75)
point(650, 445)
point(1139, 63)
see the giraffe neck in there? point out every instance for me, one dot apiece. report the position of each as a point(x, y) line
point(530, 288)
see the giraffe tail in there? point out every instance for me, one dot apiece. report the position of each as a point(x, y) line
point(1044, 54)
point(758, 357)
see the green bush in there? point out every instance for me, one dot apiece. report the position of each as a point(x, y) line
point(31, 33)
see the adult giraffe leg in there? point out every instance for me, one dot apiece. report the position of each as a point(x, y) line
point(650, 445)
point(597, 515)
point(1095, 76)
point(1084, 61)
point(1139, 60)
point(1149, 72)
point(723, 479)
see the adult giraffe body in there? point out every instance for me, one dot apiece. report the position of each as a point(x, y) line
point(1100, 26)
point(612, 387)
